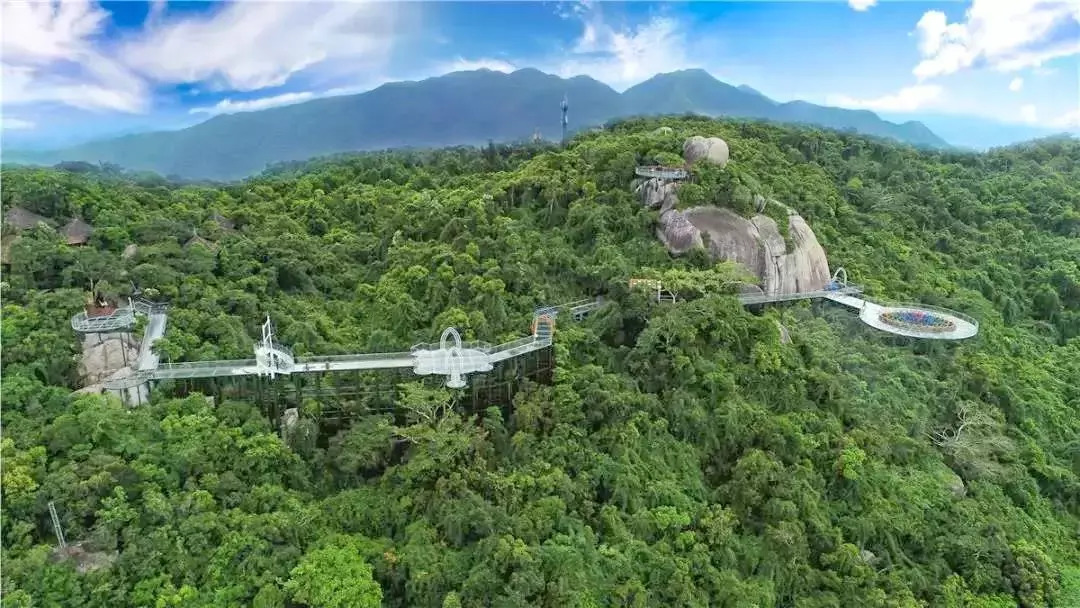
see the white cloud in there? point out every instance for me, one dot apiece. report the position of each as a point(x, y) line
point(622, 58)
point(1029, 114)
point(861, 5)
point(1016, 84)
point(41, 32)
point(906, 99)
point(248, 46)
point(8, 122)
point(49, 55)
point(465, 65)
point(228, 106)
point(1006, 35)
point(55, 51)
point(1068, 120)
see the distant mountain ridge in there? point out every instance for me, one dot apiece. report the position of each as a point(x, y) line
point(461, 108)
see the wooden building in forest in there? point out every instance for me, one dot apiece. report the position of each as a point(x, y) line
point(198, 240)
point(223, 222)
point(16, 220)
point(77, 232)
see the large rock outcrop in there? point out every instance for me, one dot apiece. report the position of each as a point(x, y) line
point(657, 194)
point(678, 233)
point(757, 244)
point(712, 149)
point(675, 230)
point(105, 354)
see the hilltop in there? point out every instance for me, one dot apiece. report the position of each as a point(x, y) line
point(461, 108)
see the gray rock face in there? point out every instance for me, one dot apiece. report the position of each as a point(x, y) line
point(657, 194)
point(758, 245)
point(104, 355)
point(954, 483)
point(289, 418)
point(712, 149)
point(785, 335)
point(677, 232)
point(868, 557)
point(85, 560)
point(674, 229)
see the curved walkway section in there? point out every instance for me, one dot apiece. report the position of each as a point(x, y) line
point(155, 329)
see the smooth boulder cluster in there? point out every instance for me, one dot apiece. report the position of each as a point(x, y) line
point(782, 265)
point(712, 149)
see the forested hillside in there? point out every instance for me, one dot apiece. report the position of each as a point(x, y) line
point(682, 455)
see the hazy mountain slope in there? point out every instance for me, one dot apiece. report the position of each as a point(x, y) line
point(975, 132)
point(694, 91)
point(697, 91)
point(458, 108)
point(863, 121)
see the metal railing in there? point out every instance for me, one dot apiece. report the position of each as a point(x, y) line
point(471, 345)
point(121, 318)
point(658, 171)
point(578, 311)
point(804, 295)
point(509, 346)
point(356, 357)
point(147, 307)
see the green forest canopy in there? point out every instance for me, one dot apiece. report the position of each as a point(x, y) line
point(682, 456)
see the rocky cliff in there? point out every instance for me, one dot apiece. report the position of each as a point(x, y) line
point(675, 230)
point(756, 243)
point(105, 357)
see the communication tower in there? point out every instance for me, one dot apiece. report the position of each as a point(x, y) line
point(565, 106)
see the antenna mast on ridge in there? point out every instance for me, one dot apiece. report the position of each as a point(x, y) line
point(565, 106)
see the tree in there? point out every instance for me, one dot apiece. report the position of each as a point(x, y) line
point(334, 575)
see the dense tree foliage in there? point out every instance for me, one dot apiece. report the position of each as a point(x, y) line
point(683, 455)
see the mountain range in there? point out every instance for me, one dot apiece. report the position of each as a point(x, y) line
point(460, 108)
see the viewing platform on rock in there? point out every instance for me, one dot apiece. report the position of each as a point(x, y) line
point(105, 319)
point(661, 172)
point(908, 320)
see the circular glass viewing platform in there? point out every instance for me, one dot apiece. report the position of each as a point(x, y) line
point(919, 321)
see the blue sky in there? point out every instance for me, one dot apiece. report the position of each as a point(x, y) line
point(74, 70)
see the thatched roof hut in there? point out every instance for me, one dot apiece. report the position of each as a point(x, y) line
point(222, 221)
point(22, 219)
point(198, 240)
point(77, 232)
